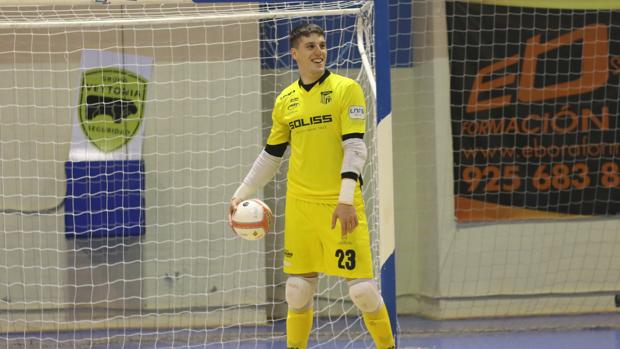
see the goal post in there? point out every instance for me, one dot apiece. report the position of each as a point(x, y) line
point(385, 186)
point(126, 128)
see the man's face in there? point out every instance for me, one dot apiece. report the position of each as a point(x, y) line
point(310, 55)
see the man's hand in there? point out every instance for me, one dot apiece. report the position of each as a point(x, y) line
point(232, 207)
point(347, 216)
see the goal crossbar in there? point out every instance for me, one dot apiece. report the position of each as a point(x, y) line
point(211, 16)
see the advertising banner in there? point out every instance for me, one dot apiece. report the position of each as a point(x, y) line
point(105, 172)
point(534, 110)
point(108, 118)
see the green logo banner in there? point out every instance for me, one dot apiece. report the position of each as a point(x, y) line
point(111, 106)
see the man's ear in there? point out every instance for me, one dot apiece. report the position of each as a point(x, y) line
point(294, 53)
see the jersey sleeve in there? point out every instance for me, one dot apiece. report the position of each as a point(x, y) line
point(280, 132)
point(353, 112)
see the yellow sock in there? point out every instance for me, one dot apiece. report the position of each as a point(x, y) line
point(298, 327)
point(378, 324)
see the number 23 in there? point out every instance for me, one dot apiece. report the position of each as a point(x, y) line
point(349, 255)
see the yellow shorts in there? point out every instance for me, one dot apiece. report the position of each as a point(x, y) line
point(311, 245)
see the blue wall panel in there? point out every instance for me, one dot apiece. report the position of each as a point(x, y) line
point(104, 199)
point(342, 53)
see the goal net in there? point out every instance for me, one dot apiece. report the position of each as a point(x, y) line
point(125, 131)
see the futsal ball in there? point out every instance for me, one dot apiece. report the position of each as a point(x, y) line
point(251, 219)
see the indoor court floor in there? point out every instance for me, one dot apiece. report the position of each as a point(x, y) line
point(599, 331)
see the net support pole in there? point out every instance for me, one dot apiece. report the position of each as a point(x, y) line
point(384, 148)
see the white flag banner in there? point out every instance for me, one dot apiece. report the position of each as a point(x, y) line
point(108, 120)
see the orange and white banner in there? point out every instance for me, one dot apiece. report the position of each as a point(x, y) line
point(535, 111)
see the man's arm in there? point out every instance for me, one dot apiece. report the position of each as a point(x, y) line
point(353, 161)
point(262, 171)
point(355, 154)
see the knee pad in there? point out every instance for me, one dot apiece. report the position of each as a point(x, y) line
point(300, 292)
point(365, 295)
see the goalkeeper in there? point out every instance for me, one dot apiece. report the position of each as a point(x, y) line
point(322, 116)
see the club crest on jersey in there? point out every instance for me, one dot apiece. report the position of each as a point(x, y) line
point(326, 97)
point(356, 112)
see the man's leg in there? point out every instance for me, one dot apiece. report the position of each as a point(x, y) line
point(299, 296)
point(366, 296)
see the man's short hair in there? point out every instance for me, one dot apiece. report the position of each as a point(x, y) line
point(305, 30)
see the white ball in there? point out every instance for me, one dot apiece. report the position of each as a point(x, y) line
point(251, 219)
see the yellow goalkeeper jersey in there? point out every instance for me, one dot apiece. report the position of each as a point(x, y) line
point(313, 123)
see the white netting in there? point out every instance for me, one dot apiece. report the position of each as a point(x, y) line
point(213, 73)
point(46, 16)
point(506, 132)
